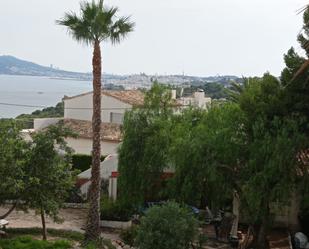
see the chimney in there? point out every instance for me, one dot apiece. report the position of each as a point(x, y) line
point(173, 94)
point(199, 98)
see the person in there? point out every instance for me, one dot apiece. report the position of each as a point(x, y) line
point(234, 231)
point(217, 223)
point(208, 216)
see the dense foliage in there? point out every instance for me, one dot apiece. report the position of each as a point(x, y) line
point(37, 173)
point(144, 148)
point(115, 210)
point(26, 120)
point(29, 243)
point(49, 177)
point(13, 151)
point(167, 226)
point(206, 152)
point(255, 144)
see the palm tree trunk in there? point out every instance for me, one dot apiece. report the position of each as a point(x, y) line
point(44, 230)
point(262, 232)
point(93, 221)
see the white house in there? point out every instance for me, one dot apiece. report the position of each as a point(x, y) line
point(78, 116)
point(114, 105)
point(198, 99)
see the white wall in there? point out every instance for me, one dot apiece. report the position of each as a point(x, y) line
point(112, 188)
point(85, 103)
point(84, 146)
point(108, 166)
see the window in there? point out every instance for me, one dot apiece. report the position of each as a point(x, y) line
point(116, 118)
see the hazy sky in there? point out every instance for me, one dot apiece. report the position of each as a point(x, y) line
point(199, 37)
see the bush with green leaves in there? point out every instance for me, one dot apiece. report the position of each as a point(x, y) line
point(101, 243)
point(34, 231)
point(128, 236)
point(167, 226)
point(26, 242)
point(115, 210)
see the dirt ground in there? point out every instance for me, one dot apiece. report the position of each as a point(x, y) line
point(74, 219)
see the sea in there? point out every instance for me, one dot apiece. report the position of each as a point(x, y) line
point(25, 94)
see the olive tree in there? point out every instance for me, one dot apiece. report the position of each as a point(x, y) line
point(48, 175)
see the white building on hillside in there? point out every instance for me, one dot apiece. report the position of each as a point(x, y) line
point(114, 104)
point(78, 116)
point(198, 99)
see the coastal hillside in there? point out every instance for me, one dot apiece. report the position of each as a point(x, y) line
point(13, 66)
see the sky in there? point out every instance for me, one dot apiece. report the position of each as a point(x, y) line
point(197, 37)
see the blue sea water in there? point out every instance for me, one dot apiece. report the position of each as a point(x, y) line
point(35, 91)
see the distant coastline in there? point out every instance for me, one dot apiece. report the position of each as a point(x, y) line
point(10, 65)
point(65, 78)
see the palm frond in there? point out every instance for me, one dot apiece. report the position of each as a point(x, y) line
point(96, 23)
point(77, 27)
point(121, 28)
point(89, 11)
point(302, 9)
point(301, 71)
point(304, 43)
point(235, 91)
point(101, 4)
point(104, 22)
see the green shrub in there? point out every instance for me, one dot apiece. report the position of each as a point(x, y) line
point(167, 226)
point(128, 236)
point(26, 242)
point(101, 243)
point(114, 210)
point(82, 162)
point(70, 235)
point(201, 241)
point(75, 196)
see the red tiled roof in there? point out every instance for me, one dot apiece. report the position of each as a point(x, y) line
point(132, 97)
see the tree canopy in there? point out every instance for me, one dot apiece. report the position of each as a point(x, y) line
point(35, 174)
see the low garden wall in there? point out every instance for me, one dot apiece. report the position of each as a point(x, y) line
point(76, 205)
point(116, 224)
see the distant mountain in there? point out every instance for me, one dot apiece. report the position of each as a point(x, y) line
point(14, 66)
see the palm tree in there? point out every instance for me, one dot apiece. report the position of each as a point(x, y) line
point(237, 89)
point(95, 24)
point(304, 42)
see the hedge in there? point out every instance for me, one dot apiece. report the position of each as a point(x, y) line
point(27, 242)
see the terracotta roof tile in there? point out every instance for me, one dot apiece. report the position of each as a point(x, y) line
point(109, 131)
point(132, 97)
